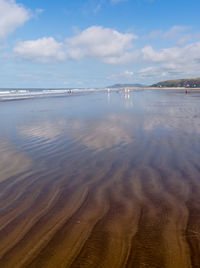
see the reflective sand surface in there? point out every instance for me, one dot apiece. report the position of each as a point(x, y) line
point(101, 180)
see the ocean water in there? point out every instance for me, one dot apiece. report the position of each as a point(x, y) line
point(17, 94)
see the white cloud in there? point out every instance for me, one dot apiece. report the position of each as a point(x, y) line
point(12, 16)
point(43, 50)
point(146, 70)
point(175, 30)
point(99, 42)
point(172, 62)
point(128, 74)
point(184, 39)
point(184, 55)
point(153, 72)
point(113, 47)
point(179, 34)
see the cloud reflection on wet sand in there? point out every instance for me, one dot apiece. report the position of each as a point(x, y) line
point(120, 189)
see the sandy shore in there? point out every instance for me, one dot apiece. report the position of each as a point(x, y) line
point(115, 187)
point(165, 88)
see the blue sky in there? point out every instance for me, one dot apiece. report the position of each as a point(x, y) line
point(95, 43)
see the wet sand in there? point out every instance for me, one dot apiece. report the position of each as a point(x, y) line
point(101, 180)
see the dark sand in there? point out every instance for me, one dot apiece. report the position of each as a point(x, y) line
point(103, 180)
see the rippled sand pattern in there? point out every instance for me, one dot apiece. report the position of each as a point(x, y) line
point(89, 181)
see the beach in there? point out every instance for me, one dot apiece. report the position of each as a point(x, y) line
point(104, 179)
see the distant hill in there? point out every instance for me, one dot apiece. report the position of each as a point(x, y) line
point(126, 85)
point(190, 83)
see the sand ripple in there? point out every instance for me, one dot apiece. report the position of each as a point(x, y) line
point(134, 203)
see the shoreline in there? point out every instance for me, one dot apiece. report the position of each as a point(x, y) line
point(156, 88)
point(20, 97)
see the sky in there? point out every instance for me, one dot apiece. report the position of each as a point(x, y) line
point(97, 43)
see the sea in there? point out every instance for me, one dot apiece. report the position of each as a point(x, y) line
point(23, 93)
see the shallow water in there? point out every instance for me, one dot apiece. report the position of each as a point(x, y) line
point(101, 180)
